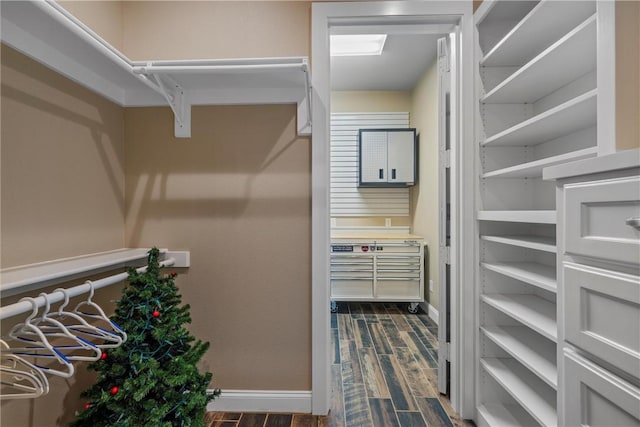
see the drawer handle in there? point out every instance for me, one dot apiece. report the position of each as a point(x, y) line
point(633, 222)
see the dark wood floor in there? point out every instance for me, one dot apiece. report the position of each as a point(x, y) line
point(384, 374)
point(237, 419)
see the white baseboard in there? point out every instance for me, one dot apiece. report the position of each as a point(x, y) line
point(431, 311)
point(262, 401)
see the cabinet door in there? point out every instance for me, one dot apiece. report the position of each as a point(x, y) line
point(373, 157)
point(602, 314)
point(401, 156)
point(595, 397)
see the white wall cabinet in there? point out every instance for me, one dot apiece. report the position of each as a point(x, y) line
point(387, 157)
point(538, 102)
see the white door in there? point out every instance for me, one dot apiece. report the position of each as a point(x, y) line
point(444, 195)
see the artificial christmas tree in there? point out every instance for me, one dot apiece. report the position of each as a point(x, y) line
point(152, 378)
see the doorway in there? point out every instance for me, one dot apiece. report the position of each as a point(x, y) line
point(330, 16)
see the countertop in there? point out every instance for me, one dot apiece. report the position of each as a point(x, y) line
point(375, 236)
point(611, 162)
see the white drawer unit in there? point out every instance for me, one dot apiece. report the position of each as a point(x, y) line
point(599, 290)
point(603, 219)
point(352, 276)
point(377, 270)
point(603, 315)
point(596, 397)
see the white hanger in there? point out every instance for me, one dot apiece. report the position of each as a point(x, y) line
point(84, 328)
point(84, 309)
point(19, 378)
point(54, 328)
point(39, 347)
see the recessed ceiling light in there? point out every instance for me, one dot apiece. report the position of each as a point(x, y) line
point(357, 44)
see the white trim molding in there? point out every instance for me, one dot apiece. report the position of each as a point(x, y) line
point(326, 18)
point(290, 401)
point(431, 311)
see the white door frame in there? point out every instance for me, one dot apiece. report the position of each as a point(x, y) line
point(324, 15)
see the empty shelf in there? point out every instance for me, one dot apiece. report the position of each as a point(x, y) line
point(536, 216)
point(534, 169)
point(540, 243)
point(534, 395)
point(499, 415)
point(49, 34)
point(576, 114)
point(529, 348)
point(498, 18)
point(571, 57)
point(33, 276)
point(545, 24)
point(530, 310)
point(535, 274)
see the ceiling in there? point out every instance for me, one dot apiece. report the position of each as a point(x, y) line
point(403, 61)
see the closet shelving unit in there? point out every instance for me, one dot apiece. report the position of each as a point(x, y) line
point(28, 278)
point(537, 103)
point(24, 278)
point(46, 32)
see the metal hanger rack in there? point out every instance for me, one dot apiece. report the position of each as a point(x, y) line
point(57, 296)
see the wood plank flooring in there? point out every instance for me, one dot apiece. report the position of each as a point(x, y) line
point(384, 370)
point(383, 374)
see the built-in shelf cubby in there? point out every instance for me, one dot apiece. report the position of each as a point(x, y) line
point(537, 105)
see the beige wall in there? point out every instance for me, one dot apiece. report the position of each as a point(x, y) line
point(103, 17)
point(362, 101)
point(62, 175)
point(241, 190)
point(627, 74)
point(216, 29)
point(237, 195)
point(424, 196)
point(62, 166)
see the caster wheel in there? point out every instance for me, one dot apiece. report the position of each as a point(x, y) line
point(413, 308)
point(334, 307)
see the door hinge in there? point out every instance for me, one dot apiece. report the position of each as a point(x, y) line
point(445, 351)
point(443, 54)
point(447, 158)
point(445, 254)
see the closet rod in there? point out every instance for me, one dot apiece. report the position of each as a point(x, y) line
point(197, 69)
point(56, 296)
point(70, 22)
